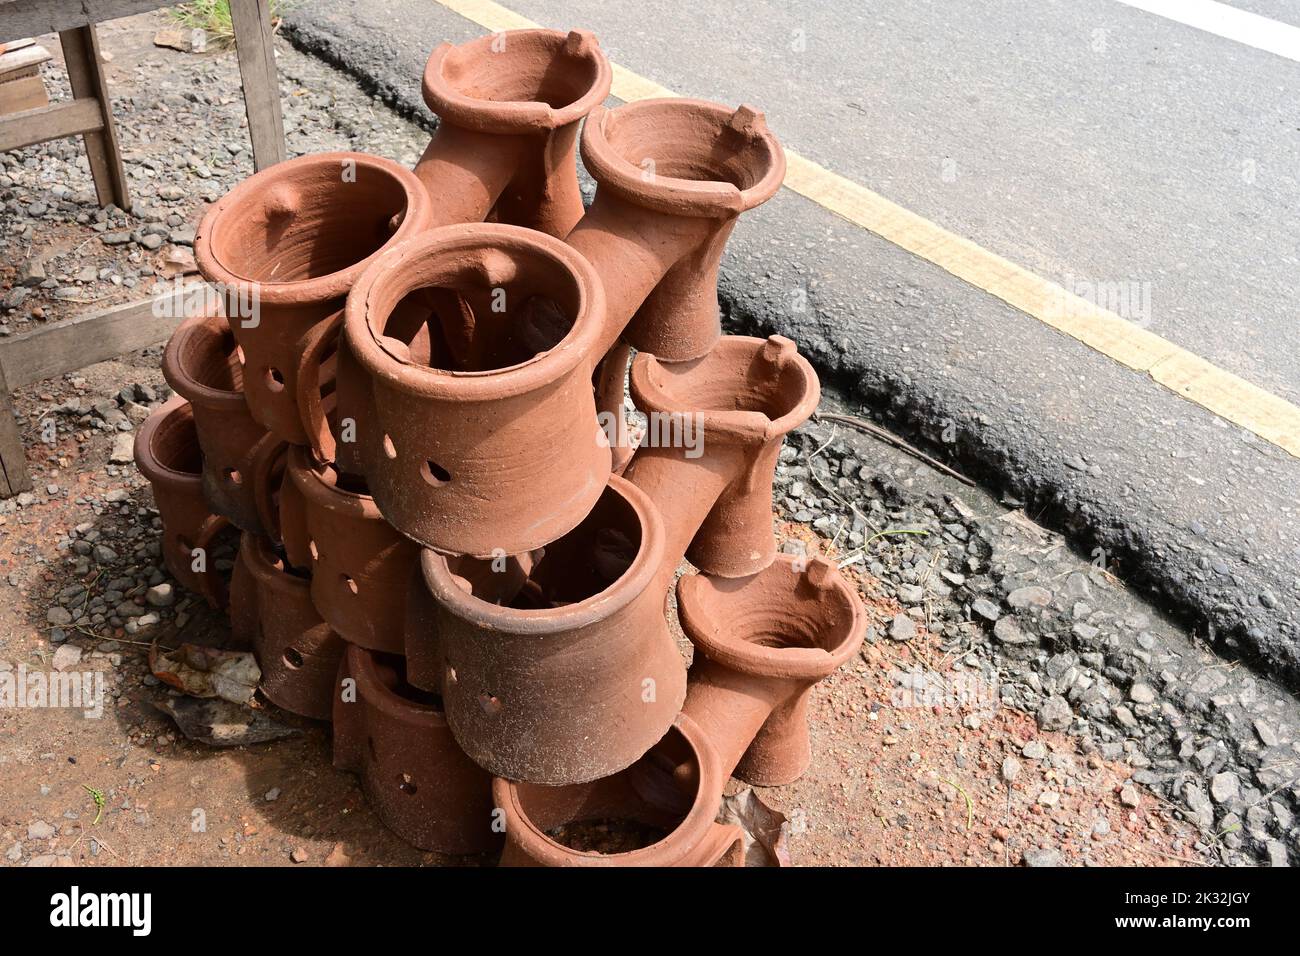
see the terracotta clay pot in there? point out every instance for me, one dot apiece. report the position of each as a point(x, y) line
point(242, 462)
point(720, 422)
point(284, 248)
point(244, 620)
point(565, 674)
point(477, 344)
point(415, 776)
point(298, 652)
point(672, 177)
point(761, 643)
point(360, 566)
point(508, 106)
point(673, 793)
point(167, 453)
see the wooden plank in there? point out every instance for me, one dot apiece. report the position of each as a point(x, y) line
point(67, 346)
point(251, 20)
point(18, 96)
point(86, 75)
point(27, 18)
point(49, 122)
point(13, 465)
point(22, 58)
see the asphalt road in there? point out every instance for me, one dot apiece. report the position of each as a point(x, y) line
point(1083, 139)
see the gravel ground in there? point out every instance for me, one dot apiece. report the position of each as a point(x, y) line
point(1014, 704)
point(1059, 637)
point(184, 141)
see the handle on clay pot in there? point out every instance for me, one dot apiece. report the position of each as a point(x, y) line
point(267, 454)
point(311, 407)
point(723, 845)
point(609, 379)
point(211, 587)
point(294, 533)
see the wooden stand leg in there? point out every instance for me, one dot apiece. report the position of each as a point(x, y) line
point(13, 466)
point(86, 74)
point(251, 20)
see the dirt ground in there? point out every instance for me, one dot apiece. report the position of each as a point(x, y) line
point(942, 780)
point(894, 781)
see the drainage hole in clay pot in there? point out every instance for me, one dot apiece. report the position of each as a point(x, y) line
point(390, 450)
point(349, 584)
point(491, 705)
point(435, 474)
point(293, 659)
point(233, 476)
point(274, 380)
point(406, 784)
point(607, 836)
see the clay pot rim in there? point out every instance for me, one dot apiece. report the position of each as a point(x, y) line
point(147, 460)
point(334, 285)
point(803, 663)
point(399, 262)
point(255, 548)
point(319, 482)
point(508, 117)
point(441, 582)
point(711, 199)
point(359, 663)
point(185, 384)
point(738, 425)
point(692, 830)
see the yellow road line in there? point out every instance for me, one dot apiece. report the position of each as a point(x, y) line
point(1269, 416)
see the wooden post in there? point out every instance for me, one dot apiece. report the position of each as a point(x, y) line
point(13, 466)
point(54, 350)
point(86, 75)
point(251, 20)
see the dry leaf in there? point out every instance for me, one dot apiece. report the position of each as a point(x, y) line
point(766, 831)
point(207, 672)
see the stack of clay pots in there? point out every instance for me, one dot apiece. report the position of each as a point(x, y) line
point(411, 404)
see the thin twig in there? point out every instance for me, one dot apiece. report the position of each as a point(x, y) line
point(862, 548)
point(871, 428)
point(827, 443)
point(812, 473)
point(100, 841)
point(970, 805)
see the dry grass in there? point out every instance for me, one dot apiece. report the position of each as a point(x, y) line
point(213, 18)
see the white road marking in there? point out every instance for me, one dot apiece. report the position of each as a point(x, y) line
point(1231, 23)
